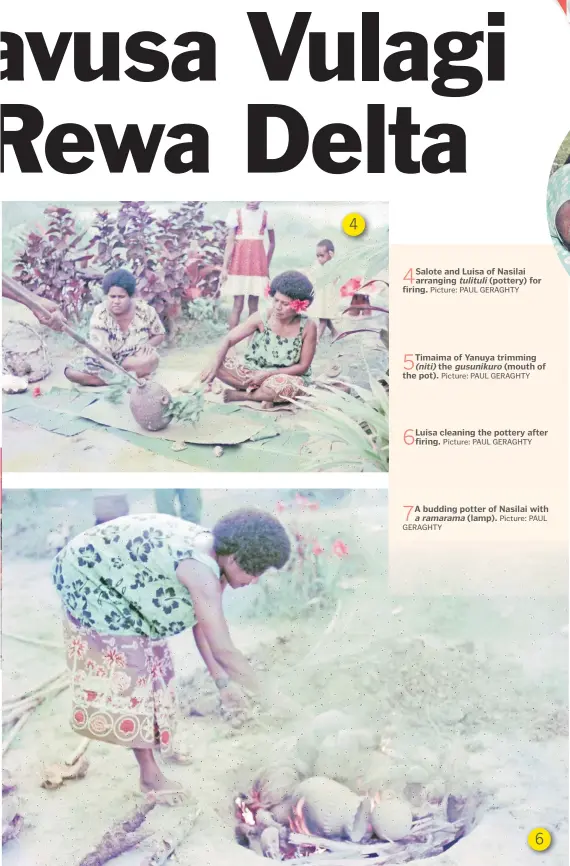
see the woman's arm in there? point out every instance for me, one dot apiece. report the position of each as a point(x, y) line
point(156, 340)
point(156, 330)
point(52, 315)
point(216, 671)
point(206, 592)
point(271, 247)
point(235, 336)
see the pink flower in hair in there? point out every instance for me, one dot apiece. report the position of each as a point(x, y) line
point(299, 306)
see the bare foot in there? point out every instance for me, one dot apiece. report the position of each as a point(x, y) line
point(267, 404)
point(177, 756)
point(155, 780)
point(233, 396)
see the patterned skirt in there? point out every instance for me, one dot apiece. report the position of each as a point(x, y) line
point(122, 688)
point(282, 385)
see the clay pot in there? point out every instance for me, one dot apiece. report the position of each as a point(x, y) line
point(344, 756)
point(330, 808)
point(310, 741)
point(149, 405)
point(275, 783)
point(392, 819)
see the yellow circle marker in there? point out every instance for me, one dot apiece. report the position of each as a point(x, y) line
point(539, 839)
point(353, 224)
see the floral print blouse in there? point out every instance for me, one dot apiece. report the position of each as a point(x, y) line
point(268, 349)
point(120, 576)
point(105, 333)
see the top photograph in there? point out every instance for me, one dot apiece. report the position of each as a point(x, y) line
point(200, 336)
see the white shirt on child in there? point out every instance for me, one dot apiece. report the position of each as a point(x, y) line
point(251, 221)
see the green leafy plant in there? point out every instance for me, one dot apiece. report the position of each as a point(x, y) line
point(55, 265)
point(312, 579)
point(188, 408)
point(354, 422)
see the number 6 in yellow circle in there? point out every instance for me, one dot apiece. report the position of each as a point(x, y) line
point(539, 839)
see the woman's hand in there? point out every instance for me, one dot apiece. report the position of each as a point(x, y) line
point(255, 379)
point(209, 374)
point(234, 698)
point(52, 315)
point(223, 275)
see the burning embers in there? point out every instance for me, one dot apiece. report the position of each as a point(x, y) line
point(324, 817)
point(294, 812)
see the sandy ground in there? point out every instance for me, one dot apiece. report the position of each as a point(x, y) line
point(29, 449)
point(484, 680)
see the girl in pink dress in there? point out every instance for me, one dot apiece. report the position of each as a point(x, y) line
point(245, 270)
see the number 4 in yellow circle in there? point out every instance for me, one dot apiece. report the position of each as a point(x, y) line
point(539, 839)
point(353, 224)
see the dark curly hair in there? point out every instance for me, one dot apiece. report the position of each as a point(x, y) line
point(256, 539)
point(121, 278)
point(294, 285)
point(327, 244)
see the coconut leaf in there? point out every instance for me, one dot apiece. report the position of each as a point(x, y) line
point(357, 420)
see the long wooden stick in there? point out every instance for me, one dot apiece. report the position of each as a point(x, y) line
point(121, 837)
point(167, 847)
point(78, 753)
point(32, 641)
point(67, 329)
point(15, 731)
point(36, 689)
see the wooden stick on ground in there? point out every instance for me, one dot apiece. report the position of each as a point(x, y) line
point(121, 837)
point(15, 731)
point(167, 847)
point(33, 701)
point(36, 689)
point(33, 641)
point(21, 713)
point(78, 753)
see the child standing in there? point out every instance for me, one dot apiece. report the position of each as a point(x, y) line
point(326, 306)
point(246, 263)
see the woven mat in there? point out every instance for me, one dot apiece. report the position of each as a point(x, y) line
point(216, 426)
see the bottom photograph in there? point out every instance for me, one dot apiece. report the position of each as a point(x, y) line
point(202, 677)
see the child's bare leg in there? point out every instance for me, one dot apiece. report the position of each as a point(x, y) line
point(151, 776)
point(332, 329)
point(253, 304)
point(322, 328)
point(236, 311)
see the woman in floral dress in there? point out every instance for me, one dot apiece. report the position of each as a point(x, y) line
point(128, 585)
point(125, 327)
point(277, 363)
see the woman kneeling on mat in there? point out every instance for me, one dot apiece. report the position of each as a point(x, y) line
point(126, 586)
point(277, 363)
point(124, 327)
